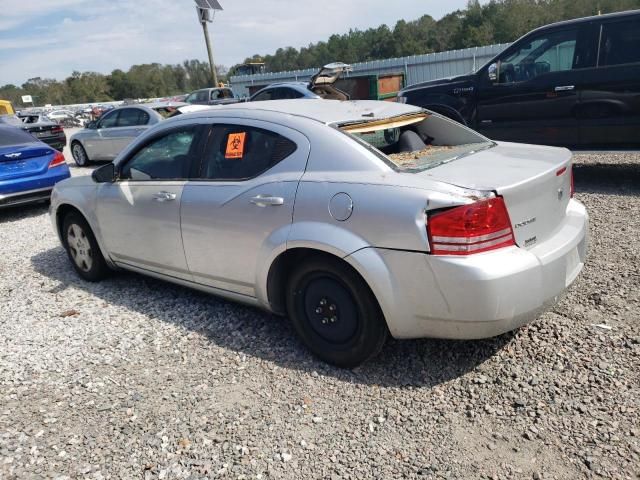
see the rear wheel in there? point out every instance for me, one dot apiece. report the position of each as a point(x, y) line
point(79, 154)
point(334, 313)
point(82, 248)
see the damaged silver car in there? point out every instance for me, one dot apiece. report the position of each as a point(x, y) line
point(358, 220)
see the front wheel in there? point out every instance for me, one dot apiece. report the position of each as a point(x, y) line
point(335, 313)
point(79, 154)
point(82, 248)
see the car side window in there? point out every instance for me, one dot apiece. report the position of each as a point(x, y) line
point(546, 53)
point(265, 95)
point(131, 117)
point(620, 43)
point(290, 93)
point(239, 152)
point(168, 157)
point(202, 96)
point(109, 120)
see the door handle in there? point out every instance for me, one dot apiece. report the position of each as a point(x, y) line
point(267, 200)
point(565, 88)
point(164, 196)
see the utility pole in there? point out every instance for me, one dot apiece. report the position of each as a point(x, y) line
point(206, 11)
point(212, 65)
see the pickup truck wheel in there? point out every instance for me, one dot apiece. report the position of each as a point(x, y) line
point(334, 313)
point(82, 248)
point(79, 154)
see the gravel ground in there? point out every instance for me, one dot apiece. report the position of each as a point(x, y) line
point(136, 378)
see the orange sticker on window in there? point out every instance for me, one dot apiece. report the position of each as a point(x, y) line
point(235, 145)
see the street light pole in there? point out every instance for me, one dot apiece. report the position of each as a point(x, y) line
point(206, 10)
point(212, 65)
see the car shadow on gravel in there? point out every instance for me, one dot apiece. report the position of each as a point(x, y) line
point(252, 332)
point(606, 178)
point(20, 212)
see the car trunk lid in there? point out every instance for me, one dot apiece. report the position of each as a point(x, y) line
point(328, 74)
point(534, 181)
point(44, 130)
point(24, 160)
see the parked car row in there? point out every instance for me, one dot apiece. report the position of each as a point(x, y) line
point(277, 202)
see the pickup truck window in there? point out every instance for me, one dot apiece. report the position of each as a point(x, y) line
point(620, 43)
point(549, 52)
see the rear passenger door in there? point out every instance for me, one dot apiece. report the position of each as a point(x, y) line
point(610, 105)
point(241, 205)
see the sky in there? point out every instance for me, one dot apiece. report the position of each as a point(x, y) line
point(52, 38)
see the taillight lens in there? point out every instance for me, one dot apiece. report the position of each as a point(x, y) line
point(57, 129)
point(469, 229)
point(58, 159)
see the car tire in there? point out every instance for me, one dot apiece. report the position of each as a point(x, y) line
point(79, 154)
point(82, 248)
point(335, 313)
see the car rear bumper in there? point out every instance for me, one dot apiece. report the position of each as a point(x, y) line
point(56, 142)
point(31, 189)
point(478, 296)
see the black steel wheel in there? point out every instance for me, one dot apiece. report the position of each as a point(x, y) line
point(335, 313)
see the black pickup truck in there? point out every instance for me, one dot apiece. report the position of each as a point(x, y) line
point(574, 83)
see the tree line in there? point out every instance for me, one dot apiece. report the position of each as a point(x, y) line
point(141, 81)
point(498, 21)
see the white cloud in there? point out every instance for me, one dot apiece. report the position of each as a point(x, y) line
point(101, 35)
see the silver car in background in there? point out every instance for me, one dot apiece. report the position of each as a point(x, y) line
point(106, 137)
point(356, 219)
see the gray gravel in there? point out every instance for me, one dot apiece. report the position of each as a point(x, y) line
point(136, 378)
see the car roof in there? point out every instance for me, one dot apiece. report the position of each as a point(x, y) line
point(287, 84)
point(154, 105)
point(324, 111)
point(575, 21)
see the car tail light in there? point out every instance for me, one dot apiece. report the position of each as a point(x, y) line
point(58, 159)
point(57, 129)
point(572, 189)
point(469, 229)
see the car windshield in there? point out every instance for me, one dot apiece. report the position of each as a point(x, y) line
point(417, 142)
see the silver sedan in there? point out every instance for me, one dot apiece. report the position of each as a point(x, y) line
point(356, 219)
point(106, 137)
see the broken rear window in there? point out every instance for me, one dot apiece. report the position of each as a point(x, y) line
point(417, 142)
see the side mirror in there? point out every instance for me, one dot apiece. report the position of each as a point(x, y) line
point(104, 174)
point(91, 125)
point(493, 72)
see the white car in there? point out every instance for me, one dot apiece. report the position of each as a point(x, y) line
point(58, 115)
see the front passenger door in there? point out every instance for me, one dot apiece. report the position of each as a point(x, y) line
point(97, 143)
point(139, 214)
